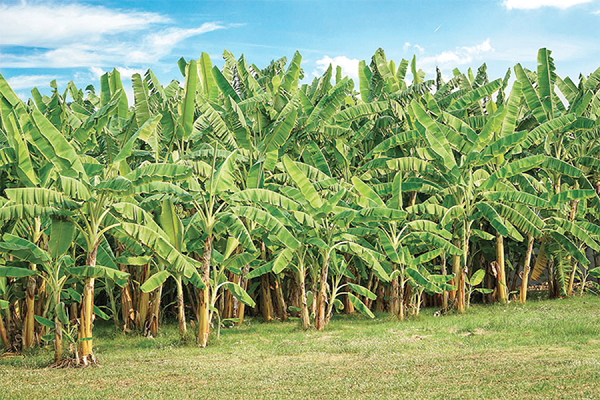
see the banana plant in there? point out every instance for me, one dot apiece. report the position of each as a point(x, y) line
point(314, 222)
point(386, 221)
point(474, 181)
point(212, 219)
point(298, 260)
point(567, 144)
point(164, 241)
point(418, 280)
point(228, 261)
point(473, 281)
point(90, 203)
point(55, 268)
point(339, 271)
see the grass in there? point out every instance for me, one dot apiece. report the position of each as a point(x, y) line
point(546, 349)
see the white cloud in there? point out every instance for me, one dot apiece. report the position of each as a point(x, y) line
point(106, 52)
point(75, 36)
point(532, 4)
point(97, 72)
point(172, 36)
point(127, 73)
point(52, 25)
point(596, 12)
point(29, 81)
point(408, 45)
point(349, 66)
point(459, 56)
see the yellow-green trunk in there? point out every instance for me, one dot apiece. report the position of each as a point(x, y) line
point(322, 297)
point(155, 317)
point(573, 263)
point(86, 318)
point(181, 310)
point(29, 322)
point(3, 334)
point(144, 300)
point(394, 298)
point(455, 280)
point(241, 307)
point(265, 296)
point(501, 287)
point(204, 301)
point(203, 318)
point(304, 316)
point(280, 300)
point(526, 268)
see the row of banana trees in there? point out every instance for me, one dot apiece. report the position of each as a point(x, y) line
point(242, 190)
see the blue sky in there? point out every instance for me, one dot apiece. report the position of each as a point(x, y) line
point(80, 40)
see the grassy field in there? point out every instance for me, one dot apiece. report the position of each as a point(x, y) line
point(546, 349)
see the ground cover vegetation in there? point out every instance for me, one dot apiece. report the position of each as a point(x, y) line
point(545, 349)
point(240, 191)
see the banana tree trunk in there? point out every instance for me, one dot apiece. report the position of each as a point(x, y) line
point(241, 307)
point(87, 312)
point(204, 301)
point(127, 311)
point(513, 280)
point(8, 319)
point(552, 289)
point(526, 268)
point(58, 340)
point(228, 298)
point(143, 300)
point(454, 282)
point(597, 263)
point(265, 289)
point(265, 296)
point(304, 315)
point(380, 302)
point(461, 298)
point(501, 285)
point(279, 299)
point(413, 198)
point(401, 296)
point(180, 309)
point(458, 295)
point(348, 306)
point(39, 306)
point(294, 297)
point(4, 334)
point(369, 287)
point(155, 317)
point(322, 297)
point(73, 309)
point(110, 289)
point(394, 298)
point(572, 214)
point(369, 302)
point(572, 277)
point(445, 292)
point(29, 322)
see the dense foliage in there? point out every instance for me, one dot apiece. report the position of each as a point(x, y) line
point(241, 191)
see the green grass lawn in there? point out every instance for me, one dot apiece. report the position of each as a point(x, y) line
point(546, 349)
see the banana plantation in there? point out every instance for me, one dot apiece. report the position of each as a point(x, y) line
point(242, 191)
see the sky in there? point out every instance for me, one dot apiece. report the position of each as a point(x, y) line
point(80, 40)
